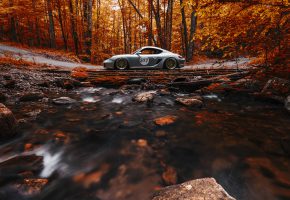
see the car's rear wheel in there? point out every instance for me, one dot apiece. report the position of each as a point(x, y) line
point(170, 64)
point(121, 64)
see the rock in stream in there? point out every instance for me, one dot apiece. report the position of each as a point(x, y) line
point(8, 123)
point(201, 189)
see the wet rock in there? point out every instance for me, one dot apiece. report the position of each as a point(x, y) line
point(109, 92)
point(191, 85)
point(7, 77)
point(21, 165)
point(31, 186)
point(44, 84)
point(144, 96)
point(86, 84)
point(161, 133)
point(206, 188)
point(64, 101)
point(287, 103)
point(167, 120)
point(277, 87)
point(136, 81)
point(248, 84)
point(10, 84)
point(149, 86)
point(67, 83)
point(195, 101)
point(2, 97)
point(131, 87)
point(8, 123)
point(31, 96)
point(33, 114)
point(180, 80)
point(164, 92)
point(276, 90)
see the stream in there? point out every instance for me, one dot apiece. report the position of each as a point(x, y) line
point(108, 147)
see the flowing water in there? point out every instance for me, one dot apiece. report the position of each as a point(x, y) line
point(108, 147)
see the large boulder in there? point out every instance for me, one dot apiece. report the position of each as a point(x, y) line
point(276, 90)
point(8, 123)
point(277, 87)
point(199, 189)
point(287, 103)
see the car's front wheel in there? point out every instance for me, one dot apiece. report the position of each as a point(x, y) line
point(121, 64)
point(170, 64)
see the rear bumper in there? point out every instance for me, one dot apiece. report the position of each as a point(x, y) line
point(108, 64)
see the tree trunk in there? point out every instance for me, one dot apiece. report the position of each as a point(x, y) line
point(88, 21)
point(13, 33)
point(73, 28)
point(61, 24)
point(184, 29)
point(168, 24)
point(51, 25)
point(36, 21)
point(156, 12)
point(191, 36)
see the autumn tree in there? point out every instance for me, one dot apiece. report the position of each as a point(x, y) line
point(95, 30)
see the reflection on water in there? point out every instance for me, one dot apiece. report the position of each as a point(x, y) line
point(112, 149)
point(88, 99)
point(117, 100)
point(212, 96)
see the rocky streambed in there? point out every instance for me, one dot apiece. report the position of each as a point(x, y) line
point(62, 138)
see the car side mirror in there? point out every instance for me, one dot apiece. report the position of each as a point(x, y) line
point(138, 53)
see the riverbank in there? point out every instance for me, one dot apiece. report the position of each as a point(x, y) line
point(131, 140)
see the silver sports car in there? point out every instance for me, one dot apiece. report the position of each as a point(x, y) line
point(146, 57)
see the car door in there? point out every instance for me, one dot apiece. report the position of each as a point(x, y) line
point(148, 58)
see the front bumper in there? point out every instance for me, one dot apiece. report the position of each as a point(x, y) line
point(181, 63)
point(109, 64)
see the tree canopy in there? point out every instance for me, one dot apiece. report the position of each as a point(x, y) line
point(97, 29)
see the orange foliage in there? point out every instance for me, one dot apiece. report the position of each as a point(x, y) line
point(255, 28)
point(92, 178)
point(169, 176)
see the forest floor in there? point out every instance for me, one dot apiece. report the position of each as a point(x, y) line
point(38, 56)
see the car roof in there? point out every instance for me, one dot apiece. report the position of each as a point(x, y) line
point(152, 47)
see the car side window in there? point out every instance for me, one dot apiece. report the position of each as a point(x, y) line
point(150, 51)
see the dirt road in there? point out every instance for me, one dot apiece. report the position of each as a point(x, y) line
point(29, 55)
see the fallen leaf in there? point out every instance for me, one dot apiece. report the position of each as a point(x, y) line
point(167, 120)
